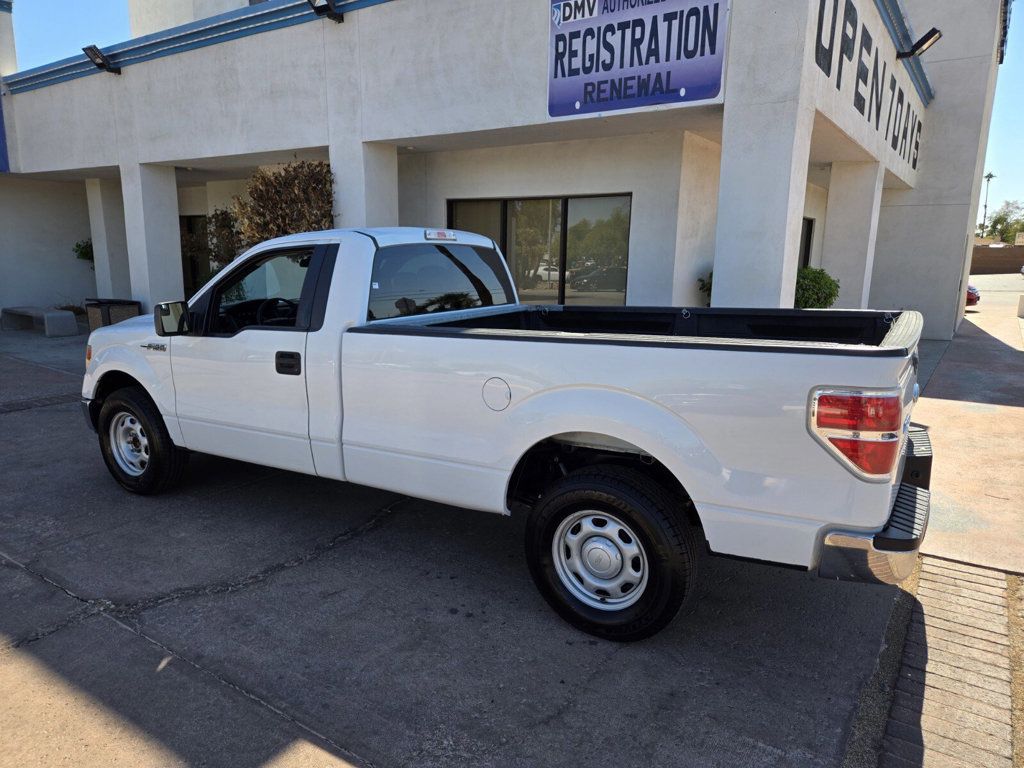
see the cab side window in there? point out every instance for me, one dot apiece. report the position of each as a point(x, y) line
point(265, 294)
point(419, 278)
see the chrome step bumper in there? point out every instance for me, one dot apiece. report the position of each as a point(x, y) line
point(887, 556)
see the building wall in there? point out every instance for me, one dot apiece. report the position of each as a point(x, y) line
point(1001, 260)
point(222, 194)
point(255, 94)
point(925, 234)
point(204, 199)
point(148, 16)
point(192, 201)
point(40, 221)
point(646, 166)
point(375, 78)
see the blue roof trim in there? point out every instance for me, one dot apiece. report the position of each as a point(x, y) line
point(899, 30)
point(5, 163)
point(251, 20)
point(1005, 30)
point(6, 6)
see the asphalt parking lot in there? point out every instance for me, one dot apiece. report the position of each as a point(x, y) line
point(255, 617)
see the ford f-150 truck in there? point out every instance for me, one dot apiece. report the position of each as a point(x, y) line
point(634, 439)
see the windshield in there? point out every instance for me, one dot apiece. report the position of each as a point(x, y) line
point(420, 278)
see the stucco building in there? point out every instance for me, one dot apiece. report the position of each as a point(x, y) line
point(617, 150)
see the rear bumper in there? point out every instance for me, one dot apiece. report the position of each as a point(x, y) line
point(888, 556)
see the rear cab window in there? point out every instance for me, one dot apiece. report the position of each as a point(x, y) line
point(422, 278)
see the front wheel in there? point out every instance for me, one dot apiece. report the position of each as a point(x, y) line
point(612, 552)
point(135, 443)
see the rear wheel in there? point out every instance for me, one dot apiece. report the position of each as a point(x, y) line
point(612, 552)
point(135, 443)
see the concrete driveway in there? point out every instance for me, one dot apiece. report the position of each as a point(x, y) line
point(974, 405)
point(255, 617)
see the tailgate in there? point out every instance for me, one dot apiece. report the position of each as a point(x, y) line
point(906, 334)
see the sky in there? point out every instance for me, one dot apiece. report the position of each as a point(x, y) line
point(50, 30)
point(1005, 148)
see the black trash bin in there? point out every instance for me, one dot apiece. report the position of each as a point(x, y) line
point(109, 311)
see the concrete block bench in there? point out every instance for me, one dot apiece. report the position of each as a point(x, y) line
point(54, 322)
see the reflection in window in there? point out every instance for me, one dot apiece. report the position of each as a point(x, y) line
point(421, 278)
point(530, 232)
point(267, 294)
point(482, 217)
point(534, 248)
point(597, 250)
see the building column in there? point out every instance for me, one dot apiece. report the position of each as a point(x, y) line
point(8, 54)
point(765, 153)
point(695, 219)
point(152, 232)
point(766, 141)
point(365, 184)
point(851, 225)
point(109, 246)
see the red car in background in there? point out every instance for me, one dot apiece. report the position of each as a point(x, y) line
point(973, 296)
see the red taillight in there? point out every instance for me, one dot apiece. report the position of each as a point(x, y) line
point(861, 428)
point(859, 413)
point(871, 456)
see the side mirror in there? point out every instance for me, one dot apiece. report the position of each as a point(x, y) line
point(171, 318)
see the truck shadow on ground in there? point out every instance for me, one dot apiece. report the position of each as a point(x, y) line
point(252, 609)
point(978, 367)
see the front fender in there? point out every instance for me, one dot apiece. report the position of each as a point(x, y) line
point(151, 368)
point(622, 415)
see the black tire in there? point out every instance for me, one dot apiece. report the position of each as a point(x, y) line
point(658, 519)
point(165, 463)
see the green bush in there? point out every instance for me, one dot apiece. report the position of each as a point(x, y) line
point(815, 289)
point(83, 250)
point(704, 284)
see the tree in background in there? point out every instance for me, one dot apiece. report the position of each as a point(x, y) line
point(1006, 222)
point(298, 197)
point(224, 239)
point(603, 243)
point(535, 231)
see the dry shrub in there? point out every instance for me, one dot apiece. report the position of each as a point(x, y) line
point(298, 197)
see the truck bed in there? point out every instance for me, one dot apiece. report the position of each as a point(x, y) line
point(859, 332)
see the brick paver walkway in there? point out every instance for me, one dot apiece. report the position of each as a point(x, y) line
point(952, 702)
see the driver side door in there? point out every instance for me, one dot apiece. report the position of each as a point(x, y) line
point(239, 381)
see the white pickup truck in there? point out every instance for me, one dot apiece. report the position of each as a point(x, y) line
point(633, 438)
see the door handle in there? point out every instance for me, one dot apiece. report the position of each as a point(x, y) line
point(288, 363)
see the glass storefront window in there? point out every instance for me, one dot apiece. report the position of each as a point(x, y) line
point(480, 216)
point(534, 248)
point(559, 250)
point(597, 250)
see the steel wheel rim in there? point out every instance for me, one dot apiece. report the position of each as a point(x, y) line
point(129, 443)
point(600, 560)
